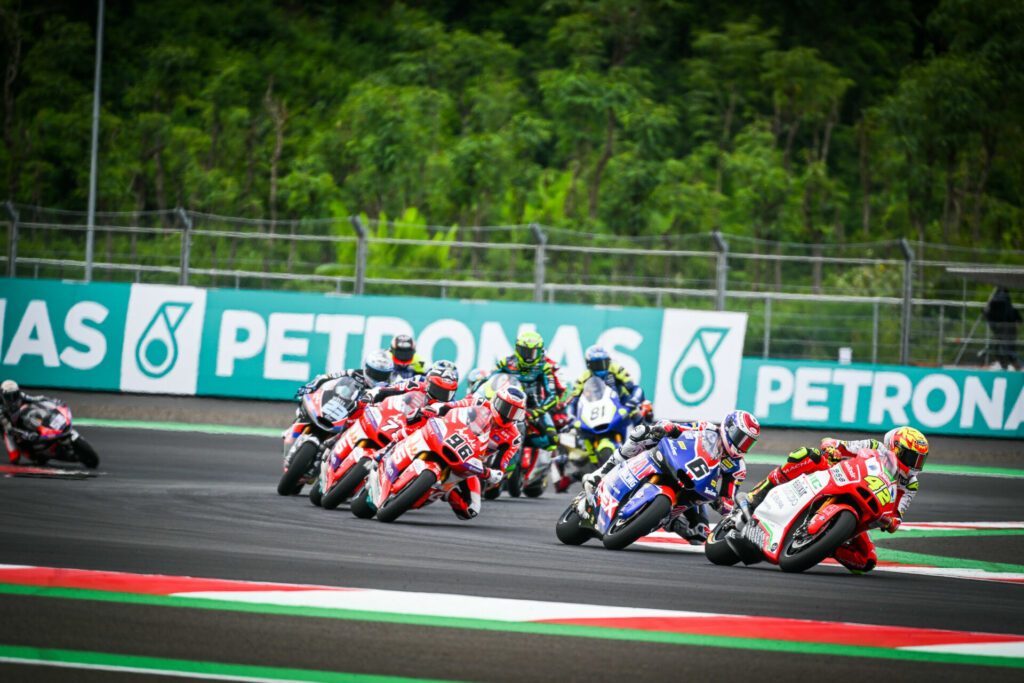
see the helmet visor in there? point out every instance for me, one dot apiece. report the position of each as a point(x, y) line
point(599, 365)
point(376, 376)
point(509, 412)
point(528, 354)
point(911, 458)
point(740, 440)
point(403, 355)
point(440, 391)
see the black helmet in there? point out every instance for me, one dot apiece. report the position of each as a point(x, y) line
point(403, 349)
point(11, 395)
point(442, 381)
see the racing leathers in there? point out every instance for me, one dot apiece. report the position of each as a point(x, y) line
point(416, 367)
point(618, 379)
point(858, 553)
point(12, 429)
point(503, 440)
point(689, 522)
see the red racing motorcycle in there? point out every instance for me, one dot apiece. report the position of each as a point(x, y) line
point(427, 465)
point(344, 470)
point(803, 521)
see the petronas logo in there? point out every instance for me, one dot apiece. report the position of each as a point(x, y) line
point(693, 377)
point(157, 350)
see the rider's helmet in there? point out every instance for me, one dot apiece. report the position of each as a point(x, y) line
point(403, 349)
point(598, 360)
point(509, 405)
point(377, 368)
point(442, 380)
point(739, 431)
point(529, 349)
point(475, 377)
point(910, 447)
point(11, 396)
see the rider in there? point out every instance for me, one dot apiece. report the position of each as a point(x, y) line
point(536, 372)
point(600, 365)
point(474, 379)
point(377, 371)
point(12, 401)
point(911, 449)
point(728, 442)
point(407, 362)
point(506, 409)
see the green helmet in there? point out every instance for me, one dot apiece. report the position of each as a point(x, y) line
point(529, 349)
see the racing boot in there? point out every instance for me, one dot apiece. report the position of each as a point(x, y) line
point(460, 506)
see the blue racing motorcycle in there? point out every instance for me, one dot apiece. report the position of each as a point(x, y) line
point(639, 495)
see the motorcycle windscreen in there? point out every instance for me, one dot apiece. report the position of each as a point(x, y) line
point(598, 409)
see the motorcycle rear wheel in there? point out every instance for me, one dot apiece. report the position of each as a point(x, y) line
point(824, 543)
point(622, 534)
point(344, 487)
point(396, 505)
point(536, 489)
point(493, 492)
point(291, 481)
point(569, 527)
point(361, 507)
point(716, 549)
point(85, 453)
point(514, 484)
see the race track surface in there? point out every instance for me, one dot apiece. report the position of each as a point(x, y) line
point(204, 505)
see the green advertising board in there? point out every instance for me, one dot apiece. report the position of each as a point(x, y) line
point(876, 398)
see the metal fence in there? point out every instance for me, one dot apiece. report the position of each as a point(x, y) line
point(892, 301)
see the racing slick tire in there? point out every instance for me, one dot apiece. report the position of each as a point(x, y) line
point(291, 481)
point(716, 549)
point(622, 533)
point(394, 506)
point(316, 494)
point(800, 552)
point(85, 453)
point(344, 487)
point(569, 527)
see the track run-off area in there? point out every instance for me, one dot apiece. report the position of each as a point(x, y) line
point(179, 559)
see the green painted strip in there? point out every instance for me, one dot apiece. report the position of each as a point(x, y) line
point(154, 665)
point(562, 630)
point(944, 533)
point(904, 557)
point(184, 427)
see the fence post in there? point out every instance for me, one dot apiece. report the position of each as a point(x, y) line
point(12, 237)
point(767, 325)
point(723, 265)
point(186, 245)
point(908, 292)
point(874, 334)
point(361, 232)
point(539, 260)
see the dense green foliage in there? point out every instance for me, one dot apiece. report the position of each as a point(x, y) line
point(815, 122)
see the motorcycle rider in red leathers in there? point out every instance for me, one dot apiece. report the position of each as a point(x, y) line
point(731, 439)
point(506, 409)
point(911, 450)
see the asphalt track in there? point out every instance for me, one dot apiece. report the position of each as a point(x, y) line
point(182, 503)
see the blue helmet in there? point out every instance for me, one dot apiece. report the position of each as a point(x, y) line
point(377, 368)
point(598, 360)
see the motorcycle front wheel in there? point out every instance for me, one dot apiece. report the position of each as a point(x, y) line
point(801, 551)
point(316, 494)
point(344, 487)
point(514, 484)
point(569, 527)
point(291, 481)
point(716, 549)
point(85, 453)
point(625, 532)
point(393, 508)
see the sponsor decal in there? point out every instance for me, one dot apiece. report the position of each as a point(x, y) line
point(162, 336)
point(839, 476)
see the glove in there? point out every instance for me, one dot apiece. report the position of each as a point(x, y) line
point(28, 437)
point(723, 505)
point(641, 432)
point(803, 452)
point(493, 477)
point(890, 523)
point(536, 413)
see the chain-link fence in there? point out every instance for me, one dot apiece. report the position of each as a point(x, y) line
point(892, 301)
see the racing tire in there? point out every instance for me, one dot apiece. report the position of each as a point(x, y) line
point(717, 550)
point(316, 494)
point(536, 489)
point(492, 493)
point(344, 487)
point(291, 481)
point(396, 505)
point(514, 483)
point(85, 453)
point(569, 527)
point(361, 506)
point(623, 533)
point(823, 544)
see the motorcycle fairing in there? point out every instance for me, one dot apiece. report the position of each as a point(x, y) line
point(690, 454)
point(782, 504)
point(618, 484)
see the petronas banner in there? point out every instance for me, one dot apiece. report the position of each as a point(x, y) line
point(263, 344)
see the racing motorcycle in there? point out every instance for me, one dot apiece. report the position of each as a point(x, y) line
point(602, 420)
point(56, 438)
point(426, 465)
point(638, 496)
point(527, 470)
point(322, 414)
point(344, 469)
point(803, 521)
